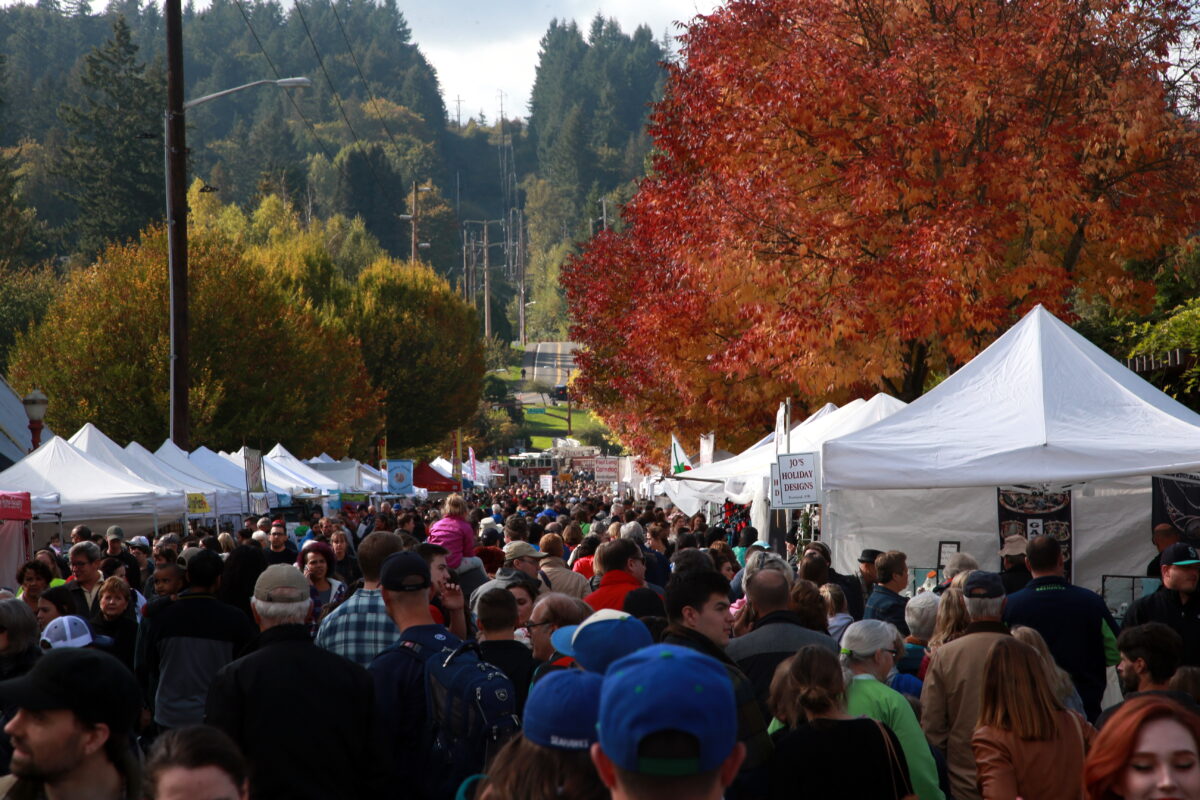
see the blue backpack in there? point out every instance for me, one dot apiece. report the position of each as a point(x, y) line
point(471, 709)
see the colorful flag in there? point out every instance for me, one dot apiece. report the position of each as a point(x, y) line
point(679, 460)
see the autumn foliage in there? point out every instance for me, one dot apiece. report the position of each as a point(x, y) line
point(850, 195)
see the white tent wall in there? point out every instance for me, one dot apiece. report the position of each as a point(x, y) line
point(1110, 526)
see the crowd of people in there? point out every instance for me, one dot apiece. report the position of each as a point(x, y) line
point(516, 644)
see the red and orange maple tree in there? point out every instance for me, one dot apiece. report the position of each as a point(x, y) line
point(848, 194)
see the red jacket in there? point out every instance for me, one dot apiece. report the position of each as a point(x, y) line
point(613, 588)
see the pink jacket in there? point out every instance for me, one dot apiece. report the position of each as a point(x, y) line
point(457, 536)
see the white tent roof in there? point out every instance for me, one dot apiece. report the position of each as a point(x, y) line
point(93, 442)
point(324, 458)
point(62, 479)
point(351, 475)
point(279, 479)
point(226, 470)
point(221, 499)
point(14, 426)
point(1041, 405)
point(176, 457)
point(280, 455)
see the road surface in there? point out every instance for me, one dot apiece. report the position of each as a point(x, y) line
point(550, 363)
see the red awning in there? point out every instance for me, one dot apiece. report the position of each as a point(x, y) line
point(431, 480)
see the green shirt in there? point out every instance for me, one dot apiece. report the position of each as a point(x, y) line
point(867, 697)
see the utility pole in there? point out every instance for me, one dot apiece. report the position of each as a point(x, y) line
point(521, 275)
point(466, 279)
point(176, 175)
point(487, 285)
point(415, 214)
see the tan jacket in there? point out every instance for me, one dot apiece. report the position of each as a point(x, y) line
point(562, 579)
point(1009, 767)
point(950, 701)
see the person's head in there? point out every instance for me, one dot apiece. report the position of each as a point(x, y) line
point(524, 558)
point(866, 563)
point(621, 554)
point(810, 684)
point(700, 601)
point(550, 757)
point(34, 577)
point(634, 531)
point(1016, 696)
point(48, 558)
point(1146, 750)
point(813, 567)
point(767, 590)
point(277, 537)
point(724, 560)
point(316, 561)
point(920, 614)
point(806, 602)
point(961, 562)
point(951, 618)
point(552, 611)
point(1164, 535)
point(263, 524)
point(891, 570)
point(835, 599)
point(85, 563)
point(164, 556)
point(74, 711)
point(983, 594)
point(1187, 680)
point(655, 740)
point(18, 628)
point(496, 613)
point(524, 593)
point(692, 560)
point(55, 602)
point(111, 567)
point(1180, 565)
point(115, 597)
point(1150, 654)
point(281, 597)
point(81, 533)
point(196, 762)
point(204, 571)
point(551, 545)
point(869, 647)
point(373, 550)
point(406, 583)
point(1044, 555)
point(169, 580)
point(339, 541)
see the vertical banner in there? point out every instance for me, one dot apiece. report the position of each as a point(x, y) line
point(400, 476)
point(473, 469)
point(707, 445)
point(254, 471)
point(1176, 502)
point(1034, 513)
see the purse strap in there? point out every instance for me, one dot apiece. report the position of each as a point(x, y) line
point(895, 764)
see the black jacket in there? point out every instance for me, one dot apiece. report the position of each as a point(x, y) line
point(285, 689)
point(1165, 606)
point(777, 636)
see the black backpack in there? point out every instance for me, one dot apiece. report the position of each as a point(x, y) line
point(471, 710)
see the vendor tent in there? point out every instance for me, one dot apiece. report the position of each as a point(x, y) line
point(65, 483)
point(351, 475)
point(91, 441)
point(16, 533)
point(279, 479)
point(226, 470)
point(220, 499)
point(1040, 407)
point(429, 479)
point(324, 458)
point(311, 477)
point(176, 457)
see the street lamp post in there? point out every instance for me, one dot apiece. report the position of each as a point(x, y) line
point(35, 408)
point(175, 156)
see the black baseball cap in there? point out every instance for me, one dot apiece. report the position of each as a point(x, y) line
point(91, 683)
point(868, 556)
point(405, 571)
point(1180, 554)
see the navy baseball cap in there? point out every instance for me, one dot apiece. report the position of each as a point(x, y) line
point(665, 688)
point(562, 710)
point(1180, 554)
point(405, 571)
point(983, 585)
point(601, 639)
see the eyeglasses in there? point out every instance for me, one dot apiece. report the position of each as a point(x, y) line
point(531, 625)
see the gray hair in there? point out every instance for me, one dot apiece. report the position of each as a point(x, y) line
point(634, 531)
point(921, 615)
point(981, 607)
point(765, 559)
point(959, 562)
point(294, 613)
point(17, 617)
point(89, 550)
point(863, 639)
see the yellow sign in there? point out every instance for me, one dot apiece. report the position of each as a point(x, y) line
point(198, 504)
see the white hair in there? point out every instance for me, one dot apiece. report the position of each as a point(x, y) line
point(259, 536)
point(981, 607)
point(921, 615)
point(863, 639)
point(959, 562)
point(765, 559)
point(295, 613)
point(634, 531)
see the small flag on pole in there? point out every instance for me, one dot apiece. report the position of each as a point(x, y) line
point(679, 460)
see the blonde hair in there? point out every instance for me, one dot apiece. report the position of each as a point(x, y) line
point(835, 598)
point(951, 618)
point(115, 585)
point(455, 506)
point(1058, 678)
point(1014, 697)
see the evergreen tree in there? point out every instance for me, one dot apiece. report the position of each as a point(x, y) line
point(113, 153)
point(369, 188)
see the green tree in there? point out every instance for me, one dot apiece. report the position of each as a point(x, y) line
point(25, 295)
point(113, 154)
point(421, 346)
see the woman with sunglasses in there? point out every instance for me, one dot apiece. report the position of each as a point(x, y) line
point(870, 649)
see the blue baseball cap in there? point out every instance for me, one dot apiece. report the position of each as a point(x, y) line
point(562, 710)
point(601, 639)
point(667, 688)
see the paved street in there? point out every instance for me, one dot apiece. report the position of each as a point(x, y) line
point(550, 363)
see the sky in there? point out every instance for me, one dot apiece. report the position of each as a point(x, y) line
point(481, 48)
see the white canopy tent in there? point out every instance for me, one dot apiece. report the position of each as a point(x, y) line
point(324, 458)
point(233, 473)
point(311, 477)
point(176, 457)
point(351, 475)
point(279, 479)
point(91, 441)
point(66, 484)
point(221, 499)
point(1041, 407)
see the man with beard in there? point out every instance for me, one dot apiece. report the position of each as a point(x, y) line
point(70, 739)
point(1150, 654)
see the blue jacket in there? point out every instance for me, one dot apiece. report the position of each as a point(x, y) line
point(1077, 627)
point(888, 606)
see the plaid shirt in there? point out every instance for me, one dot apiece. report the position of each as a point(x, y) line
point(359, 629)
